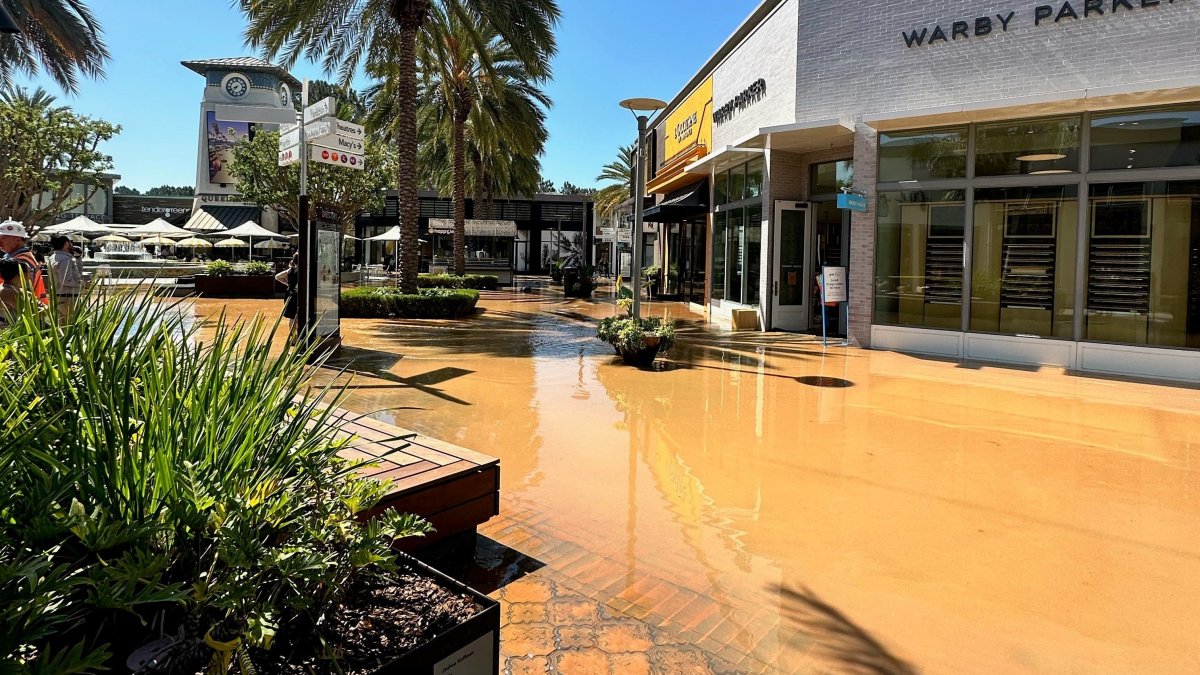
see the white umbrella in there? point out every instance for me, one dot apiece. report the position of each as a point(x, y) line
point(193, 242)
point(230, 243)
point(391, 235)
point(251, 229)
point(77, 224)
point(271, 243)
point(160, 227)
point(157, 241)
point(113, 239)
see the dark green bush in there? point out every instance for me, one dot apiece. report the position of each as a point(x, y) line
point(479, 282)
point(429, 303)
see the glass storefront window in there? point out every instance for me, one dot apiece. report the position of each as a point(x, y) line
point(918, 258)
point(753, 253)
point(923, 155)
point(1023, 261)
point(1144, 139)
point(720, 228)
point(737, 183)
point(1143, 264)
point(830, 177)
point(1037, 147)
point(736, 262)
point(754, 178)
point(721, 188)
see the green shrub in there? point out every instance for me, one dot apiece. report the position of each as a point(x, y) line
point(154, 482)
point(219, 268)
point(429, 303)
point(626, 332)
point(479, 282)
point(258, 268)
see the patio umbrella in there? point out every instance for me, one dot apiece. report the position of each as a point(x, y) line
point(113, 239)
point(161, 228)
point(158, 241)
point(230, 243)
point(77, 224)
point(193, 242)
point(271, 243)
point(250, 230)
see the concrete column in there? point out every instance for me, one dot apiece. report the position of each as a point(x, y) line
point(862, 238)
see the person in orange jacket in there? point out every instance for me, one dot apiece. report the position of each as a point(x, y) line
point(14, 246)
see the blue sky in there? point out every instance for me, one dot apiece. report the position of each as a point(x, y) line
point(604, 56)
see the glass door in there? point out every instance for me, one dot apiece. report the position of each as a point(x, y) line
point(792, 289)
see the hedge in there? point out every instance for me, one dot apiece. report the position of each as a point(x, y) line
point(479, 282)
point(429, 303)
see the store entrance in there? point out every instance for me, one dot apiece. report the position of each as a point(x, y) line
point(685, 264)
point(792, 289)
point(831, 246)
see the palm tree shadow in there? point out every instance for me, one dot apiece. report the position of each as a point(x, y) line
point(837, 638)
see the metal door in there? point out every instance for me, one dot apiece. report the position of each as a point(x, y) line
point(791, 291)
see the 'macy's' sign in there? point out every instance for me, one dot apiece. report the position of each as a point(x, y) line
point(1000, 23)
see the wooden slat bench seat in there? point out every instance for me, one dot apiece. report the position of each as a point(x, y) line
point(454, 488)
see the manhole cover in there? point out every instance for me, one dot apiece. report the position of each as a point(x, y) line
point(822, 381)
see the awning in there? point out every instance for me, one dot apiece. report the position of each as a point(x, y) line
point(674, 174)
point(725, 158)
point(683, 204)
point(221, 218)
point(476, 228)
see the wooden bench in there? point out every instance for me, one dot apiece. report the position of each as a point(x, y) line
point(454, 488)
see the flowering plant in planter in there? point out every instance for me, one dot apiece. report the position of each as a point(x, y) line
point(639, 340)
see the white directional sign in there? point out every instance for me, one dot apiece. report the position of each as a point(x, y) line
point(289, 139)
point(289, 156)
point(351, 145)
point(332, 126)
point(329, 156)
point(323, 108)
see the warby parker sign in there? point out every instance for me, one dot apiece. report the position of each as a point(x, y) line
point(690, 123)
point(1038, 15)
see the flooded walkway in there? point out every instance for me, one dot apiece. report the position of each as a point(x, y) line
point(766, 505)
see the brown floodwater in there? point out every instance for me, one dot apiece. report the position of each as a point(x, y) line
point(819, 507)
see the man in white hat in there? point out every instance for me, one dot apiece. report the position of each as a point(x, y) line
point(13, 244)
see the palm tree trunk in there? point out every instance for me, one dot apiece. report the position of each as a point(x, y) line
point(406, 164)
point(459, 120)
point(477, 199)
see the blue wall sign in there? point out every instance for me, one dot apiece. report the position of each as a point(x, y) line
point(852, 202)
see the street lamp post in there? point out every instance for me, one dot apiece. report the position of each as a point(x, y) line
point(639, 106)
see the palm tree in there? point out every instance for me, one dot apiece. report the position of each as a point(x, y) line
point(61, 35)
point(346, 34)
point(620, 171)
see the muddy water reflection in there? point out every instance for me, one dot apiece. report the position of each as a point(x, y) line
point(955, 519)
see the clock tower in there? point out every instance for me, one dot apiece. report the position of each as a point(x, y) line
point(243, 80)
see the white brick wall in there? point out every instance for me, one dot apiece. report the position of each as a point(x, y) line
point(768, 53)
point(853, 59)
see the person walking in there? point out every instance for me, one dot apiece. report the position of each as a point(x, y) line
point(290, 278)
point(66, 275)
point(14, 244)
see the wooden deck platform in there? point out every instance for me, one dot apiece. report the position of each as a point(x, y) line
point(454, 488)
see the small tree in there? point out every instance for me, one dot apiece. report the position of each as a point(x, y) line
point(342, 191)
point(45, 150)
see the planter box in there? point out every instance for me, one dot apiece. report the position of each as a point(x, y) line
point(237, 286)
point(470, 648)
point(642, 358)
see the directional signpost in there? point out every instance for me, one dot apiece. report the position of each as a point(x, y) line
point(318, 136)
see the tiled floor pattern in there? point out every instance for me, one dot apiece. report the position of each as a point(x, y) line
point(582, 613)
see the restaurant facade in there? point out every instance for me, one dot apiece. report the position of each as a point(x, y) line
point(1022, 179)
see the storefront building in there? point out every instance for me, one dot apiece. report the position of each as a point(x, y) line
point(1031, 178)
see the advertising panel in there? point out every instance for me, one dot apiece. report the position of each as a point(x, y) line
point(690, 124)
point(222, 136)
point(329, 281)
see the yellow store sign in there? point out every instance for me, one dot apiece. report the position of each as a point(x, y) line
point(690, 124)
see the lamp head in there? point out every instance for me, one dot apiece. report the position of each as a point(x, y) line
point(641, 105)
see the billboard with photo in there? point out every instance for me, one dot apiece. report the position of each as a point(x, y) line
point(222, 136)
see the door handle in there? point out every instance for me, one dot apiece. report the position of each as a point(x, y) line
point(775, 288)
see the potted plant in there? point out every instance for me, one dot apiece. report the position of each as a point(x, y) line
point(638, 341)
point(650, 279)
point(580, 283)
point(556, 269)
point(222, 279)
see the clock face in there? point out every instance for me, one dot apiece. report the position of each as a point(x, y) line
point(285, 96)
point(236, 85)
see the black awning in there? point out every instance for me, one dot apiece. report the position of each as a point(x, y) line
point(686, 203)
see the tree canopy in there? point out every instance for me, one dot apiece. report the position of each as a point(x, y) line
point(61, 37)
point(45, 151)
